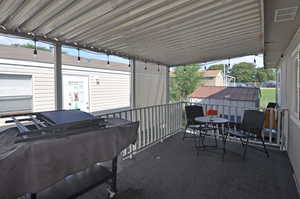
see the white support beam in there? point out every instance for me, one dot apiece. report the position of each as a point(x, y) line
point(58, 77)
point(133, 84)
point(168, 85)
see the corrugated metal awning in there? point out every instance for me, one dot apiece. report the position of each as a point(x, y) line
point(170, 32)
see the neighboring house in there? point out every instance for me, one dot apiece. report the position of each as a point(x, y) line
point(222, 98)
point(27, 82)
point(212, 78)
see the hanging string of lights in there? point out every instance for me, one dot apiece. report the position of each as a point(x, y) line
point(108, 59)
point(78, 54)
point(35, 48)
point(107, 54)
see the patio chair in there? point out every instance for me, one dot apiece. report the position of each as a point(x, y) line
point(199, 130)
point(251, 127)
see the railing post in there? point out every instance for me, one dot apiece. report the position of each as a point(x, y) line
point(58, 77)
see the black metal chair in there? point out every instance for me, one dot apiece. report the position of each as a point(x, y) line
point(272, 105)
point(251, 127)
point(199, 130)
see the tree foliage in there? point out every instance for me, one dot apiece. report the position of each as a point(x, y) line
point(184, 81)
point(265, 74)
point(243, 72)
point(247, 72)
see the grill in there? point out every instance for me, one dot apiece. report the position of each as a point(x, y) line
point(52, 124)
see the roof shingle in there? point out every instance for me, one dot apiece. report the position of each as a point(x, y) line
point(222, 92)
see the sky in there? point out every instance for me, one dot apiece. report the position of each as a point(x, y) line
point(4, 40)
point(259, 61)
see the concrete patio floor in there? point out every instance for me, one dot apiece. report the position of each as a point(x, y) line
point(172, 170)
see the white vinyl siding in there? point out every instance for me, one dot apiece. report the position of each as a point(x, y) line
point(42, 82)
point(113, 90)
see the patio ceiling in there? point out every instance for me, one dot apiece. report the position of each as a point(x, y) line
point(279, 28)
point(170, 32)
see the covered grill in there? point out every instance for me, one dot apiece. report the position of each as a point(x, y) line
point(45, 149)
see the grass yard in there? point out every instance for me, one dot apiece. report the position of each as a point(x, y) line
point(267, 95)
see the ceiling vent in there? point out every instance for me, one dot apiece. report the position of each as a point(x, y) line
point(285, 14)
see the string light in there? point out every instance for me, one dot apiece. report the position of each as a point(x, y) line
point(158, 69)
point(145, 65)
point(108, 59)
point(78, 55)
point(129, 63)
point(254, 60)
point(35, 49)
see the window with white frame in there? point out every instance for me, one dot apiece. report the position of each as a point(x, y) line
point(15, 93)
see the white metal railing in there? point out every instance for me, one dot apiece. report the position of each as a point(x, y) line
point(275, 127)
point(158, 122)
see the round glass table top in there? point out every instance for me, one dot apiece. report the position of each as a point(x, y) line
point(211, 119)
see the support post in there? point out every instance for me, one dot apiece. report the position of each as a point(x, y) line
point(167, 84)
point(133, 84)
point(58, 77)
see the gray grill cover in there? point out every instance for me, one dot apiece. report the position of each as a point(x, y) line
point(32, 166)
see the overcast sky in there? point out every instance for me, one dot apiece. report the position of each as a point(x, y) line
point(92, 55)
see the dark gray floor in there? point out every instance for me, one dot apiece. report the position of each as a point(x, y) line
point(172, 170)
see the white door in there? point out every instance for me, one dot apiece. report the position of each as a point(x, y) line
point(76, 92)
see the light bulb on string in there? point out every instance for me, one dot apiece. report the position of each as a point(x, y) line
point(108, 59)
point(78, 55)
point(35, 49)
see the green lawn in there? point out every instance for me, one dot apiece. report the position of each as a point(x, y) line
point(267, 95)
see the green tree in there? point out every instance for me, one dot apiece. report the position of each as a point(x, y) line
point(184, 81)
point(216, 67)
point(246, 72)
point(265, 74)
point(243, 72)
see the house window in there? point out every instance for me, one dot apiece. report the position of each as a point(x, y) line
point(15, 93)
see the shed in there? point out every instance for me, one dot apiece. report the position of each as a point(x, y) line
point(225, 98)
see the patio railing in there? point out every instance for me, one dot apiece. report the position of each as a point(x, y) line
point(276, 121)
point(158, 122)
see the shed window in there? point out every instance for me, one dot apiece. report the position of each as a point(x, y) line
point(15, 93)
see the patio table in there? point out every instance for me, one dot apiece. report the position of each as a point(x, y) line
point(215, 121)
